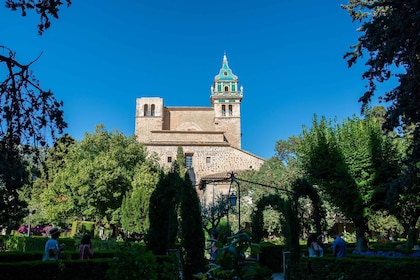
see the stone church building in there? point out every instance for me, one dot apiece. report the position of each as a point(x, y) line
point(210, 136)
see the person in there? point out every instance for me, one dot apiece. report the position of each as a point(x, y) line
point(86, 247)
point(339, 246)
point(213, 245)
point(52, 250)
point(314, 249)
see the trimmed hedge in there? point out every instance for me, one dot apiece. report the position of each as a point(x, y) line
point(271, 256)
point(33, 243)
point(63, 270)
point(7, 257)
point(77, 269)
point(361, 268)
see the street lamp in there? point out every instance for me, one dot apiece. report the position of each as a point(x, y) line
point(31, 211)
point(233, 198)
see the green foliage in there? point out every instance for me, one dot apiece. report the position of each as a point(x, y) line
point(89, 179)
point(271, 256)
point(13, 176)
point(45, 10)
point(83, 227)
point(212, 213)
point(390, 39)
point(163, 213)
point(133, 262)
point(192, 234)
point(16, 243)
point(30, 117)
point(258, 217)
point(364, 268)
point(383, 224)
point(275, 179)
point(135, 204)
point(181, 160)
point(353, 163)
point(236, 260)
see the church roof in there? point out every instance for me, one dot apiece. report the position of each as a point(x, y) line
point(225, 73)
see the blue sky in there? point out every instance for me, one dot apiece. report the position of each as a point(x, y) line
point(288, 55)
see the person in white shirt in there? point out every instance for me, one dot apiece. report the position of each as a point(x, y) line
point(52, 250)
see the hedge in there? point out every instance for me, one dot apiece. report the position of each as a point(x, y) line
point(361, 268)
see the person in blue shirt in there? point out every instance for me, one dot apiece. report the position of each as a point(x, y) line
point(314, 249)
point(52, 250)
point(339, 246)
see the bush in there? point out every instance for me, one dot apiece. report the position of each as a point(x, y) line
point(271, 256)
point(360, 268)
point(236, 260)
point(82, 227)
point(63, 270)
point(29, 244)
point(134, 261)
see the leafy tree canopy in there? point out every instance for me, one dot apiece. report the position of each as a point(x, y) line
point(92, 179)
point(354, 163)
point(45, 9)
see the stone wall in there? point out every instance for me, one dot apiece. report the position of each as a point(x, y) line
point(208, 160)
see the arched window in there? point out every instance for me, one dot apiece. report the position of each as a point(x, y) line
point(152, 110)
point(226, 88)
point(223, 110)
point(145, 110)
point(230, 110)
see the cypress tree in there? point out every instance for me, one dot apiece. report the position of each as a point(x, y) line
point(162, 214)
point(193, 241)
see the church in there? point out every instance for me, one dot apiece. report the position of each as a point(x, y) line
point(210, 136)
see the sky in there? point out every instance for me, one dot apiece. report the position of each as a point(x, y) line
point(288, 56)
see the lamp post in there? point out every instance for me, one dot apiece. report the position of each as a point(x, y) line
point(233, 198)
point(29, 224)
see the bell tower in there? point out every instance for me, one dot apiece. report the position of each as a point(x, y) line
point(226, 97)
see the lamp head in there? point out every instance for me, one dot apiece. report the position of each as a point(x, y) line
point(232, 199)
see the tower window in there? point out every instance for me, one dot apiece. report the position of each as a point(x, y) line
point(223, 110)
point(230, 110)
point(152, 110)
point(169, 159)
point(226, 88)
point(233, 87)
point(145, 110)
point(225, 73)
point(188, 161)
point(208, 159)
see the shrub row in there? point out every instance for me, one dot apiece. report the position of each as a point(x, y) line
point(63, 270)
point(165, 268)
point(361, 268)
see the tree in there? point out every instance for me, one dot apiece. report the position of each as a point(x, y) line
point(352, 163)
point(28, 116)
point(45, 9)
point(390, 38)
point(96, 174)
point(135, 204)
point(181, 160)
point(52, 166)
point(163, 212)
point(212, 213)
point(192, 234)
